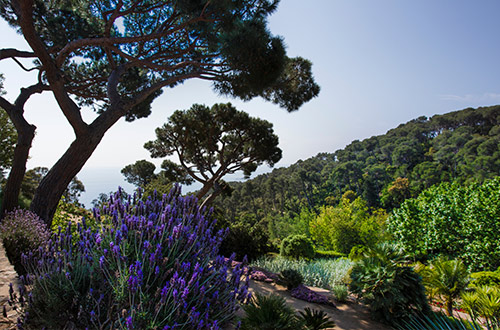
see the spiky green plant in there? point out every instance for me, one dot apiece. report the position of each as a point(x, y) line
point(437, 321)
point(315, 319)
point(448, 279)
point(483, 302)
point(393, 292)
point(269, 313)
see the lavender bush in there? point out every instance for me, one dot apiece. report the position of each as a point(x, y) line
point(153, 266)
point(22, 231)
point(302, 292)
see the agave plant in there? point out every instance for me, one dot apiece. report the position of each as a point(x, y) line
point(437, 321)
point(314, 319)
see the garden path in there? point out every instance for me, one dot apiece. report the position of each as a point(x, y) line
point(7, 275)
point(348, 316)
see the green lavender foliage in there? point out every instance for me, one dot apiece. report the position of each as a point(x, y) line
point(322, 273)
point(340, 292)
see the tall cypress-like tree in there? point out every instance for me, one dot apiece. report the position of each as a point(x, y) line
point(116, 56)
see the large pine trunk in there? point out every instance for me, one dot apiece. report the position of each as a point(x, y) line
point(52, 186)
point(21, 152)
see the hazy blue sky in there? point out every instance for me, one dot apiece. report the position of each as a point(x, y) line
point(379, 63)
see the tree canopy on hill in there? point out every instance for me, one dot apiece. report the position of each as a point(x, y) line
point(384, 170)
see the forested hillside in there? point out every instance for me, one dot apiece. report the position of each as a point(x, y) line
point(384, 170)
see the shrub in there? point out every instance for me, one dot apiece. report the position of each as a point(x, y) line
point(291, 278)
point(269, 313)
point(358, 252)
point(483, 302)
point(315, 319)
point(245, 240)
point(297, 246)
point(319, 254)
point(485, 279)
point(392, 292)
point(323, 273)
point(340, 292)
point(22, 231)
point(154, 266)
point(452, 221)
point(448, 279)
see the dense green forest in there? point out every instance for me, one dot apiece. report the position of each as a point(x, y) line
point(461, 146)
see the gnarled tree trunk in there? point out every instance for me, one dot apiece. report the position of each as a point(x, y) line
point(25, 135)
point(52, 186)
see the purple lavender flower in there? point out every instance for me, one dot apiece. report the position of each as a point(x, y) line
point(304, 293)
point(166, 249)
point(129, 323)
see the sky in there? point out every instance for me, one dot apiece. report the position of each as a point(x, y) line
point(379, 64)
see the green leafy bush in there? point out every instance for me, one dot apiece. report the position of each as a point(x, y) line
point(245, 240)
point(348, 224)
point(297, 246)
point(358, 252)
point(485, 279)
point(392, 292)
point(453, 221)
point(291, 278)
point(314, 319)
point(22, 231)
point(269, 313)
point(320, 254)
